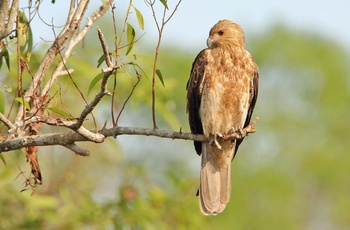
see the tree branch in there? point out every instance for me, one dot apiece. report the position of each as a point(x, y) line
point(72, 43)
point(7, 122)
point(104, 47)
point(77, 150)
point(67, 139)
point(51, 54)
point(7, 21)
point(103, 90)
point(160, 28)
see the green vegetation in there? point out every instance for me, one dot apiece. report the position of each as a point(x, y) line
point(292, 174)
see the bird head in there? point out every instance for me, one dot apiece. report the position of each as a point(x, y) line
point(224, 34)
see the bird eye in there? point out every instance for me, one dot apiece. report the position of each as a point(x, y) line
point(220, 32)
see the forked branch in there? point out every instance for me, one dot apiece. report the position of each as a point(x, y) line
point(160, 28)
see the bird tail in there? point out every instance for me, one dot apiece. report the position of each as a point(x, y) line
point(215, 177)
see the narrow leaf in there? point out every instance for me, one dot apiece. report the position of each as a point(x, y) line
point(7, 58)
point(100, 60)
point(2, 103)
point(4, 54)
point(23, 102)
point(135, 64)
point(94, 81)
point(139, 18)
point(130, 37)
point(164, 4)
point(3, 159)
point(59, 111)
point(30, 43)
point(23, 30)
point(159, 74)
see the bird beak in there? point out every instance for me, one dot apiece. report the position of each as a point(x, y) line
point(209, 41)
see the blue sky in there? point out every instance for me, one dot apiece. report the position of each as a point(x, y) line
point(326, 17)
point(190, 26)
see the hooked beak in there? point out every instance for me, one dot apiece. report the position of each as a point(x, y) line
point(210, 41)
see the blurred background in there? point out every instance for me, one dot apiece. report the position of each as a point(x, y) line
point(293, 173)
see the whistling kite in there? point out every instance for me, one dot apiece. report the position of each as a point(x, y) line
point(221, 95)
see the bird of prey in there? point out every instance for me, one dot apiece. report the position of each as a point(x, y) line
point(221, 94)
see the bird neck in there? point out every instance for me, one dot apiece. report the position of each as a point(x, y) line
point(227, 50)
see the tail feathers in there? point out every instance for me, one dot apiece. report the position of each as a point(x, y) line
point(215, 178)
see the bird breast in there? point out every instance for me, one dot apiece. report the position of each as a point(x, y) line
point(225, 96)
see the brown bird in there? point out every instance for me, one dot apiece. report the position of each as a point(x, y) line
point(221, 95)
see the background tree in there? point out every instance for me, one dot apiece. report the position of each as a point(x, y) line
point(292, 174)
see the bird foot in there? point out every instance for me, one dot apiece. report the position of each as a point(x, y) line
point(238, 131)
point(231, 131)
point(215, 142)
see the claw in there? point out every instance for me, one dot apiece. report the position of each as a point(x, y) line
point(240, 131)
point(215, 142)
point(231, 131)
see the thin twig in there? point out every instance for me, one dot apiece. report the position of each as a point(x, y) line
point(125, 24)
point(51, 54)
point(116, 62)
point(103, 90)
point(77, 150)
point(127, 99)
point(72, 43)
point(7, 122)
point(160, 29)
point(131, 43)
point(172, 14)
point(104, 47)
point(62, 65)
point(7, 17)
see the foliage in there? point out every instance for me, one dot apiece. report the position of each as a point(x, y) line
point(137, 202)
point(291, 174)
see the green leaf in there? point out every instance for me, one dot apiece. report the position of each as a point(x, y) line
point(159, 74)
point(59, 111)
point(22, 32)
point(164, 4)
point(30, 43)
point(100, 60)
point(2, 103)
point(8, 88)
point(2, 159)
point(25, 35)
point(7, 58)
point(4, 54)
point(130, 35)
point(23, 102)
point(135, 64)
point(139, 18)
point(94, 81)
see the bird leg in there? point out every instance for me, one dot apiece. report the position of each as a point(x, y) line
point(214, 142)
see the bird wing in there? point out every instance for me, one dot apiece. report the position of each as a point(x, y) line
point(194, 94)
point(254, 86)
